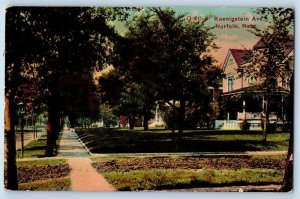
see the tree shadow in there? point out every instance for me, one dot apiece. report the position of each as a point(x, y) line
point(147, 142)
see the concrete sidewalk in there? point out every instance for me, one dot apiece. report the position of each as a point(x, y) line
point(70, 146)
point(83, 176)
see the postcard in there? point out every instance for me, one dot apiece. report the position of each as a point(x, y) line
point(172, 99)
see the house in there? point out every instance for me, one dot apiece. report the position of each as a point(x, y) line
point(237, 83)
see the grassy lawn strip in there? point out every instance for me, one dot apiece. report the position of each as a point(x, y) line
point(157, 140)
point(40, 172)
point(59, 184)
point(42, 162)
point(35, 148)
point(114, 158)
point(175, 172)
point(188, 162)
point(156, 179)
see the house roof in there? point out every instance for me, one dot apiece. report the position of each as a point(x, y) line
point(288, 46)
point(255, 89)
point(239, 55)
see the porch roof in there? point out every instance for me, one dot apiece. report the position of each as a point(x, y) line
point(254, 89)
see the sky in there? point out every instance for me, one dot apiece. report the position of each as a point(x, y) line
point(228, 34)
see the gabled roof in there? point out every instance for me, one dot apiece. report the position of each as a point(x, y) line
point(240, 56)
point(288, 46)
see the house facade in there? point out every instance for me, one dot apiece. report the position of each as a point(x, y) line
point(237, 83)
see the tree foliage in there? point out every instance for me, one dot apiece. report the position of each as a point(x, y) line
point(270, 64)
point(52, 45)
point(170, 56)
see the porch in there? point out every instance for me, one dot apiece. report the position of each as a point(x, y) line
point(235, 125)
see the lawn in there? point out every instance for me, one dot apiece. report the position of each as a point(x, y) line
point(35, 148)
point(46, 174)
point(178, 172)
point(159, 140)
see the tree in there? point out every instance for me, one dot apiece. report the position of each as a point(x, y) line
point(171, 54)
point(269, 64)
point(56, 43)
point(21, 48)
point(267, 58)
point(122, 94)
point(107, 116)
point(75, 41)
point(86, 102)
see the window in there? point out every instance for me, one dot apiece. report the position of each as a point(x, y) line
point(250, 81)
point(230, 83)
point(230, 61)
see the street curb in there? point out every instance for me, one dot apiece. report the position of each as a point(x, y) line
point(192, 153)
point(81, 142)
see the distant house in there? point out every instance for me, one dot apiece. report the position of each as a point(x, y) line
point(236, 83)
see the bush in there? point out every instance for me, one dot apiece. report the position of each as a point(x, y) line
point(245, 125)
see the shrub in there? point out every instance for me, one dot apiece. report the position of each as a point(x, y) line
point(245, 125)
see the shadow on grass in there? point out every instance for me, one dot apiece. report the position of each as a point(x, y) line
point(124, 141)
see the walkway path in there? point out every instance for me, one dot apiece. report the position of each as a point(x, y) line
point(83, 176)
point(70, 145)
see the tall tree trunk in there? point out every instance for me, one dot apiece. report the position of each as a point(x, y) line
point(12, 177)
point(72, 120)
point(173, 117)
point(53, 127)
point(266, 122)
point(131, 122)
point(22, 135)
point(287, 184)
point(146, 119)
point(181, 116)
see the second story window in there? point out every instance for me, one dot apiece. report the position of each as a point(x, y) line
point(230, 83)
point(251, 81)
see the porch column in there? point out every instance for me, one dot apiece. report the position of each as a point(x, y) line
point(244, 109)
point(263, 111)
point(228, 116)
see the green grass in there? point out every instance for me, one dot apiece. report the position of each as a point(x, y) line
point(41, 162)
point(129, 177)
point(35, 148)
point(157, 140)
point(115, 158)
point(156, 179)
point(33, 177)
point(32, 163)
point(59, 184)
point(111, 158)
point(270, 137)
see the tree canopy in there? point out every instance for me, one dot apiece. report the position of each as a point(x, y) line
point(50, 46)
